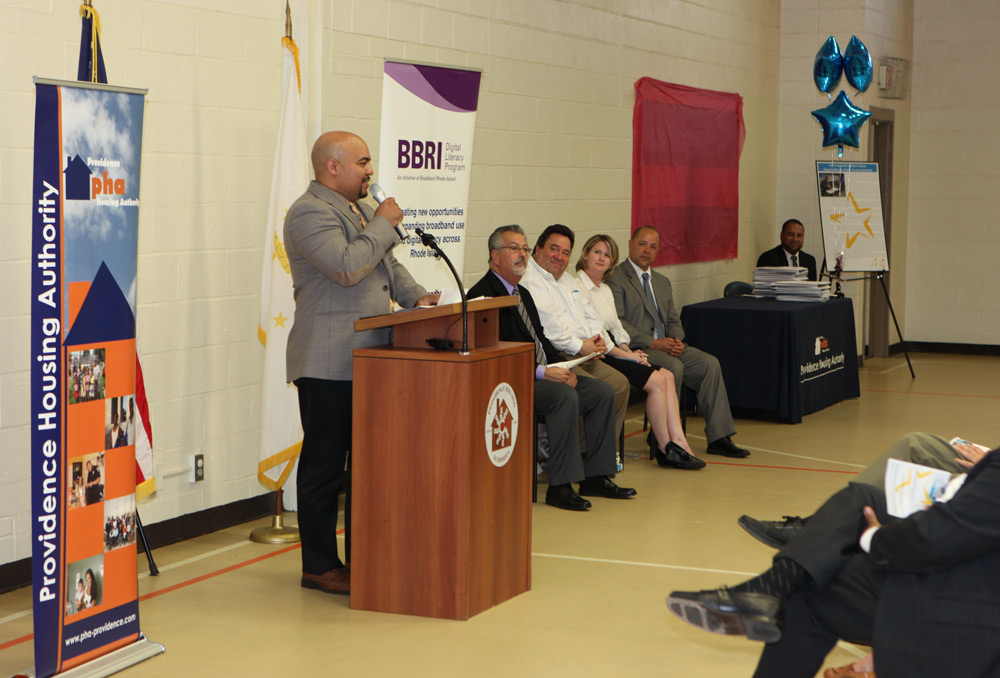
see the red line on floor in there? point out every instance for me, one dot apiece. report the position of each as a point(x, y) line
point(183, 584)
point(224, 570)
point(16, 641)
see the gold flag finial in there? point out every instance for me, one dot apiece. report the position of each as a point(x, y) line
point(288, 20)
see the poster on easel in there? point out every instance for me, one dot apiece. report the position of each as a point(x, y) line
point(850, 209)
point(85, 217)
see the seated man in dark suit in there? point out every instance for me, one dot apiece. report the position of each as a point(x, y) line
point(923, 591)
point(560, 396)
point(789, 252)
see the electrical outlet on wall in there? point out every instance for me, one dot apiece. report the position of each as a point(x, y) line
point(197, 466)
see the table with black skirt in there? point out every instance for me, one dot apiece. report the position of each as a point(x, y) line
point(793, 358)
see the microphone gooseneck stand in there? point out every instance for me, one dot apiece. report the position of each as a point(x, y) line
point(430, 241)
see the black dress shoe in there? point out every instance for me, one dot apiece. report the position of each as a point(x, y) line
point(754, 615)
point(773, 533)
point(565, 497)
point(602, 486)
point(675, 456)
point(726, 448)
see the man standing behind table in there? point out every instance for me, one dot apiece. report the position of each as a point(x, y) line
point(342, 269)
point(560, 396)
point(645, 303)
point(570, 322)
point(789, 252)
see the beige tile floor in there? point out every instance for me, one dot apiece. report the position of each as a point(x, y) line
point(596, 607)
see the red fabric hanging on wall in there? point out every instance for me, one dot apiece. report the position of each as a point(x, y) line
point(686, 145)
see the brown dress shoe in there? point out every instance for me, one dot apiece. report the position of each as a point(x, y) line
point(331, 581)
point(847, 671)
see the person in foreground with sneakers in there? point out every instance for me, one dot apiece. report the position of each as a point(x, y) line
point(920, 590)
point(918, 448)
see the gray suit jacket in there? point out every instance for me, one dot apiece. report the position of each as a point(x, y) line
point(340, 272)
point(636, 314)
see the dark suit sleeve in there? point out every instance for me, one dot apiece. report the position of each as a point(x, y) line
point(947, 534)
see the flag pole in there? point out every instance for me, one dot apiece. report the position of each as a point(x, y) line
point(278, 532)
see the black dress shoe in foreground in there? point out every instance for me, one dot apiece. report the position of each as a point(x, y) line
point(675, 456)
point(754, 615)
point(565, 497)
point(773, 533)
point(332, 581)
point(726, 448)
point(602, 486)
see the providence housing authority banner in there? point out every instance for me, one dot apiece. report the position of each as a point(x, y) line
point(425, 160)
point(85, 216)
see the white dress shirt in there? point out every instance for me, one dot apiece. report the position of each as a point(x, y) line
point(567, 316)
point(603, 301)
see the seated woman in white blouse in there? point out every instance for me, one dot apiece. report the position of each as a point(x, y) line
point(597, 260)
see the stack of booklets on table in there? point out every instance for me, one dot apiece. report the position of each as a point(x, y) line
point(787, 283)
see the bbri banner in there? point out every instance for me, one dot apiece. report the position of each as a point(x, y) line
point(425, 160)
point(85, 216)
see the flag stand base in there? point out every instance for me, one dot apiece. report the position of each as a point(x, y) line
point(277, 533)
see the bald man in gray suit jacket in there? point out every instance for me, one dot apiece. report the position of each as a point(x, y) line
point(339, 252)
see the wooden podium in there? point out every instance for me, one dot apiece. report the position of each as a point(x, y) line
point(439, 529)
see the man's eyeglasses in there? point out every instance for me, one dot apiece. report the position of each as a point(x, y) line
point(517, 248)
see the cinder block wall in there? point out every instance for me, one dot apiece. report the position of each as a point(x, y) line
point(553, 143)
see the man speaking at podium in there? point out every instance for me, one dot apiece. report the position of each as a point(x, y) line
point(339, 252)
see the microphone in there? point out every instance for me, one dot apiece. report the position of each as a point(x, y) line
point(376, 192)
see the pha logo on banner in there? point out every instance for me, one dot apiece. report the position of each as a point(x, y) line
point(501, 424)
point(88, 181)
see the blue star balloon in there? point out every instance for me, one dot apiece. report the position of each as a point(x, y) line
point(828, 66)
point(841, 122)
point(858, 65)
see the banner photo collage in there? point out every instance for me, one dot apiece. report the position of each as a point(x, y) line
point(85, 218)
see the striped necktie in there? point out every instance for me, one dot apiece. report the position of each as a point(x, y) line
point(795, 260)
point(357, 211)
point(523, 312)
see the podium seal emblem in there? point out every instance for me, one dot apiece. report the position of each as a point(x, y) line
point(501, 424)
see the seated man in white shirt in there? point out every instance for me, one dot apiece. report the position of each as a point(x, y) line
point(569, 322)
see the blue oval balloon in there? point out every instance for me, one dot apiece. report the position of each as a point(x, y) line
point(828, 66)
point(858, 65)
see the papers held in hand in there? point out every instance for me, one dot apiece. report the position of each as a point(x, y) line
point(570, 364)
point(911, 487)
